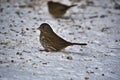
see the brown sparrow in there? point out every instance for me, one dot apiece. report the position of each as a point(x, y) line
point(57, 9)
point(51, 41)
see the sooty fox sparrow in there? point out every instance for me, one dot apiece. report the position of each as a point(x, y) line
point(51, 41)
point(57, 9)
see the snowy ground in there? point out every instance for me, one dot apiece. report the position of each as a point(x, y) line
point(99, 27)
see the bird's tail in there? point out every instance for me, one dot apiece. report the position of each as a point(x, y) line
point(78, 44)
point(72, 5)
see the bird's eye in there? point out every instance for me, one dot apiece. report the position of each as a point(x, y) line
point(43, 27)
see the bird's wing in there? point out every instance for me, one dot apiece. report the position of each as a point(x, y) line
point(57, 42)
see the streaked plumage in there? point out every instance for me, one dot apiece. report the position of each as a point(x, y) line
point(57, 9)
point(51, 41)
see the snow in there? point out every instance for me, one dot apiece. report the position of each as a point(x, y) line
point(99, 27)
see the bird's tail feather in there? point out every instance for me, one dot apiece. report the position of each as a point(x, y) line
point(79, 44)
point(72, 5)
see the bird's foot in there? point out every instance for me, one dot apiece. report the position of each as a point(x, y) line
point(44, 50)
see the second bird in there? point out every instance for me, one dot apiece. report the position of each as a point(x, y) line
point(57, 9)
point(51, 41)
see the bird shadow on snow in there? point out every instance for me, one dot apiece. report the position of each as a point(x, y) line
point(75, 53)
point(68, 52)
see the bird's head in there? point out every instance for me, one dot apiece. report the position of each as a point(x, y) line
point(50, 2)
point(44, 27)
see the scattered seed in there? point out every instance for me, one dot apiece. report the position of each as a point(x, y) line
point(1, 9)
point(27, 28)
point(69, 57)
point(45, 63)
point(103, 74)
point(18, 53)
point(12, 61)
point(89, 28)
point(86, 78)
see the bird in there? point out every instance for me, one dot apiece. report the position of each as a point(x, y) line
point(51, 41)
point(57, 10)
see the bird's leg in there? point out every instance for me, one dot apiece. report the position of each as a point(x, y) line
point(44, 50)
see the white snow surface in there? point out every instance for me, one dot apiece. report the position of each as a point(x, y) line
point(97, 24)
